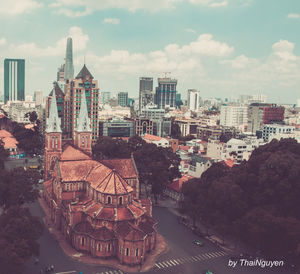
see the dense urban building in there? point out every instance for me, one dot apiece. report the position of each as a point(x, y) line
point(104, 97)
point(233, 116)
point(84, 83)
point(96, 205)
point(117, 128)
point(143, 126)
point(270, 130)
point(123, 99)
point(146, 94)
point(260, 114)
point(38, 98)
point(194, 99)
point(14, 80)
point(165, 94)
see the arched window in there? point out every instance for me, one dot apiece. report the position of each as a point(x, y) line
point(127, 251)
point(99, 247)
point(137, 252)
point(82, 241)
point(109, 247)
point(109, 200)
point(120, 200)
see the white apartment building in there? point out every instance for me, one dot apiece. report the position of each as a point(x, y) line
point(156, 140)
point(276, 129)
point(215, 149)
point(194, 99)
point(233, 116)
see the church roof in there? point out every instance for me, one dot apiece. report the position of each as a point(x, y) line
point(71, 153)
point(108, 181)
point(84, 73)
point(57, 90)
point(125, 167)
point(130, 232)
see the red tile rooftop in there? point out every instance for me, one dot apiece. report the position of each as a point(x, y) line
point(5, 133)
point(71, 153)
point(124, 167)
point(150, 137)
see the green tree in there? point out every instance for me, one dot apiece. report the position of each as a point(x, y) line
point(32, 116)
point(3, 154)
point(19, 232)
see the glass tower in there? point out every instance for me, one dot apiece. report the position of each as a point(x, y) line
point(69, 68)
point(14, 80)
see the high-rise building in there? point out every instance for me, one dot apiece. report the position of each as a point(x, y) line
point(83, 83)
point(14, 80)
point(104, 97)
point(123, 99)
point(146, 92)
point(69, 68)
point(193, 99)
point(260, 114)
point(166, 93)
point(38, 97)
point(233, 116)
point(61, 73)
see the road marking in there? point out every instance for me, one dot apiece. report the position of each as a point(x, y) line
point(157, 266)
point(67, 272)
point(174, 262)
point(162, 265)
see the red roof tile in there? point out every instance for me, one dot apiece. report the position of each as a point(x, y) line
point(150, 137)
point(72, 153)
point(125, 167)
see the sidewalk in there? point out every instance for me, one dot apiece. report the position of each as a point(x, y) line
point(161, 247)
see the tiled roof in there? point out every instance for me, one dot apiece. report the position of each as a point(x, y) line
point(130, 232)
point(151, 137)
point(177, 184)
point(107, 181)
point(102, 233)
point(77, 170)
point(185, 148)
point(125, 167)
point(5, 133)
point(9, 142)
point(72, 153)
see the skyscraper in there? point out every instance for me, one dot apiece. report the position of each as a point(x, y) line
point(166, 93)
point(38, 97)
point(14, 80)
point(123, 99)
point(193, 99)
point(83, 83)
point(145, 92)
point(69, 68)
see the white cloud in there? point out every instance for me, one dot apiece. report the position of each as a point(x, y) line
point(114, 21)
point(16, 7)
point(293, 15)
point(190, 30)
point(241, 62)
point(32, 50)
point(88, 6)
point(210, 3)
point(2, 41)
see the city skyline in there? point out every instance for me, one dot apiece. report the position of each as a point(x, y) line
point(221, 48)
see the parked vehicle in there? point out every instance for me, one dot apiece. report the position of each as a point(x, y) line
point(198, 242)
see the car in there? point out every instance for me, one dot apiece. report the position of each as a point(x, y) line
point(198, 242)
point(207, 272)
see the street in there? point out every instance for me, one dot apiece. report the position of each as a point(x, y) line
point(183, 256)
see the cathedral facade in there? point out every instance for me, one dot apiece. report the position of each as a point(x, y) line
point(95, 204)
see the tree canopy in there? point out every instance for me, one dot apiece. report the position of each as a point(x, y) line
point(19, 230)
point(257, 201)
point(156, 166)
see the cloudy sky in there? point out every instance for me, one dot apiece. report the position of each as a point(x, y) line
point(221, 47)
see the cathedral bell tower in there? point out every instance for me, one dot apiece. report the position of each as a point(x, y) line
point(83, 132)
point(53, 140)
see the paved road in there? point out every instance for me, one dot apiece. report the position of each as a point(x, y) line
point(183, 257)
point(13, 163)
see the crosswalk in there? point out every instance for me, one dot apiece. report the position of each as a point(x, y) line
point(183, 260)
point(112, 272)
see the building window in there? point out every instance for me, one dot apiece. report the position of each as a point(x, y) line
point(108, 247)
point(99, 247)
point(127, 251)
point(82, 241)
point(120, 200)
point(109, 200)
point(137, 252)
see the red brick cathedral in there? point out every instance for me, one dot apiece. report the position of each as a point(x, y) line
point(95, 204)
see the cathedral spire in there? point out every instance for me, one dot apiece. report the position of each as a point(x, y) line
point(83, 121)
point(53, 122)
